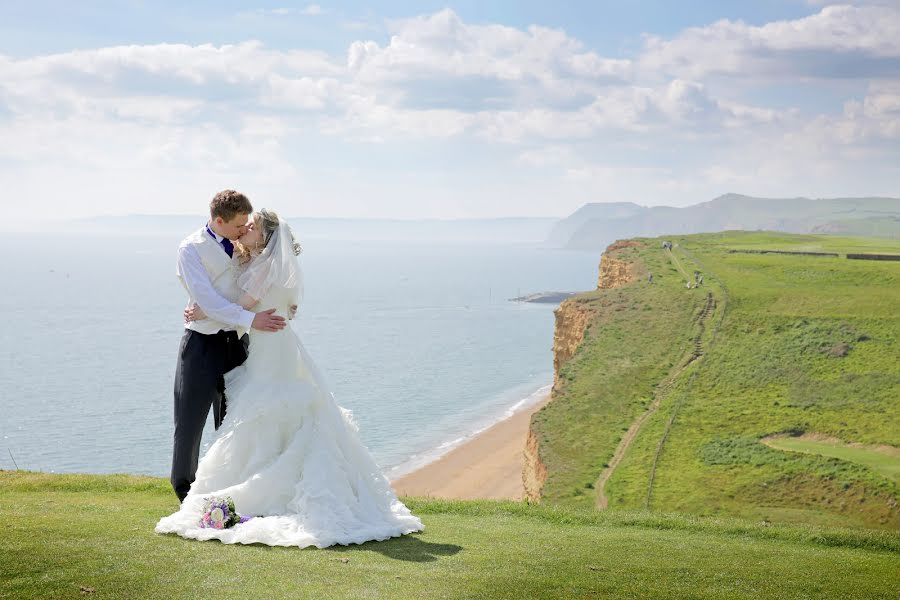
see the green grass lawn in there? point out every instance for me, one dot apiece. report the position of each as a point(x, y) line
point(796, 344)
point(66, 533)
point(887, 465)
point(640, 334)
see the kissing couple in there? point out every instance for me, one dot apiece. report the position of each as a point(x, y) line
point(286, 453)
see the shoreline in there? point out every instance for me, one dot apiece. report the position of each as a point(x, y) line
point(487, 465)
point(476, 450)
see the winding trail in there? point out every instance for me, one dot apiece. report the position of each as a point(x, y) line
point(677, 264)
point(630, 435)
point(695, 352)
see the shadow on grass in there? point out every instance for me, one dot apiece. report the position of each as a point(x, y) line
point(407, 547)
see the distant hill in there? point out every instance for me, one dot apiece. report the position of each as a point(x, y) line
point(848, 216)
point(605, 211)
point(498, 230)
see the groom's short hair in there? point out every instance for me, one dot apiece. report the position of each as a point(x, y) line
point(228, 203)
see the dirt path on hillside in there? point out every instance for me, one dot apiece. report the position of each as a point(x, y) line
point(696, 351)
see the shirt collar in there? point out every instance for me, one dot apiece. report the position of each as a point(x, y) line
point(218, 237)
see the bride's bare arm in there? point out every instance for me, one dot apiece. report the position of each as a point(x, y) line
point(248, 301)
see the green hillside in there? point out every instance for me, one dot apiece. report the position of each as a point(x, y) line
point(91, 536)
point(694, 380)
point(755, 416)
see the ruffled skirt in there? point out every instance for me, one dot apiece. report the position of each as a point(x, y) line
point(290, 457)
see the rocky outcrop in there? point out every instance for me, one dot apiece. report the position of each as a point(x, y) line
point(544, 297)
point(572, 320)
point(573, 317)
point(534, 473)
point(614, 271)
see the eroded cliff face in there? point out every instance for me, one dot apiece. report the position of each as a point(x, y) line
point(572, 319)
point(534, 473)
point(616, 271)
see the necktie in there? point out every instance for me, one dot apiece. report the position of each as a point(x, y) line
point(229, 247)
point(226, 243)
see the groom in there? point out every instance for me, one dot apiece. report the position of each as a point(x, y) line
point(216, 344)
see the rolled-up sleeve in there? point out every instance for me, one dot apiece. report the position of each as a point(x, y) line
point(201, 289)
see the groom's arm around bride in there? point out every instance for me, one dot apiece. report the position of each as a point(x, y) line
point(213, 346)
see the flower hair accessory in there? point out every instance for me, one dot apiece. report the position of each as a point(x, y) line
point(219, 513)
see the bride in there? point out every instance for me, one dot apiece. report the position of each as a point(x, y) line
point(287, 454)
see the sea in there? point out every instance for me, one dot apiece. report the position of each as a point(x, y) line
point(420, 340)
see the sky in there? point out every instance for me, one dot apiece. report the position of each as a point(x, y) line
point(469, 109)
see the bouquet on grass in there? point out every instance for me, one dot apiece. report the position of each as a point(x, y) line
point(219, 513)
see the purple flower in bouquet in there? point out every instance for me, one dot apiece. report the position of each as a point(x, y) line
point(219, 513)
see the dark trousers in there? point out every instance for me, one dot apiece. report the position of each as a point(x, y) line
point(203, 360)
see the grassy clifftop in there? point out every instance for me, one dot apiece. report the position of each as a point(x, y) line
point(686, 388)
point(671, 400)
point(68, 536)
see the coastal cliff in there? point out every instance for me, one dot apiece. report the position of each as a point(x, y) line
point(615, 269)
point(534, 473)
point(573, 317)
point(572, 320)
point(658, 402)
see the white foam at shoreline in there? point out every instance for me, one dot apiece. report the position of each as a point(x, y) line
point(420, 459)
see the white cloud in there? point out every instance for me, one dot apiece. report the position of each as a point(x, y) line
point(302, 93)
point(438, 77)
point(853, 2)
point(489, 63)
point(837, 42)
point(366, 119)
point(243, 63)
point(654, 124)
point(862, 124)
point(310, 10)
point(553, 155)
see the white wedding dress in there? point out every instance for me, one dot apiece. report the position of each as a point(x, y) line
point(289, 456)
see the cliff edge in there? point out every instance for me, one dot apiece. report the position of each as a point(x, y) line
point(572, 320)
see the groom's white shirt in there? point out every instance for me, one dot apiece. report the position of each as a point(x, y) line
point(207, 273)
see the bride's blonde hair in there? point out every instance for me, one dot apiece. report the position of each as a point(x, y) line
point(266, 221)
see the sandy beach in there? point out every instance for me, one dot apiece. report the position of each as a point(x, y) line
point(487, 466)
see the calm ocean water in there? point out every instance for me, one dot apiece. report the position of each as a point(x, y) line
point(419, 341)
